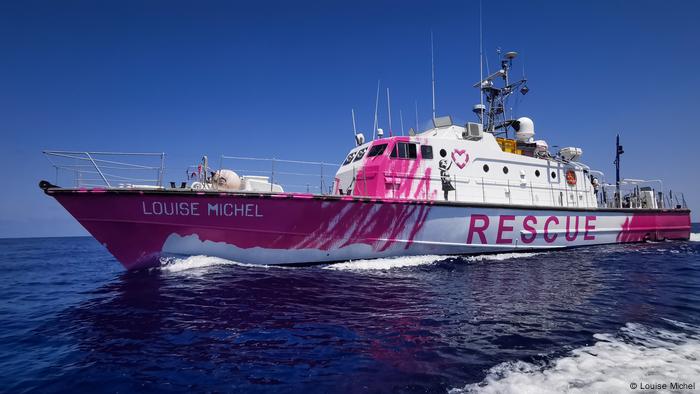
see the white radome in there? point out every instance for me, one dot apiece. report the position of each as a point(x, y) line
point(526, 129)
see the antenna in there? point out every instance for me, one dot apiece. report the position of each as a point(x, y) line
point(376, 109)
point(401, 118)
point(618, 152)
point(432, 66)
point(481, 56)
point(354, 129)
point(388, 106)
point(416, 102)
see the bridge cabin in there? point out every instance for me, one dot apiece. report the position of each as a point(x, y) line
point(458, 163)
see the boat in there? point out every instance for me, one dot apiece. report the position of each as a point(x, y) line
point(452, 188)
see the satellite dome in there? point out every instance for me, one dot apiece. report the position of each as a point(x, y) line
point(524, 129)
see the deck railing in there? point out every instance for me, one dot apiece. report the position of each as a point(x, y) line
point(630, 196)
point(292, 175)
point(485, 190)
point(107, 169)
point(122, 169)
point(525, 192)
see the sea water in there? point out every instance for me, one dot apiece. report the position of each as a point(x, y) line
point(617, 318)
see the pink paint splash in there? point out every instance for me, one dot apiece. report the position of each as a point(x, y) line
point(290, 222)
point(655, 227)
point(394, 178)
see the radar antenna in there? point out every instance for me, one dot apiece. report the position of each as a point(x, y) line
point(494, 114)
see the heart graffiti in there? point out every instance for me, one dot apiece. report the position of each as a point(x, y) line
point(460, 157)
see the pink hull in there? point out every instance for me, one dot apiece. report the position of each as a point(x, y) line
point(139, 227)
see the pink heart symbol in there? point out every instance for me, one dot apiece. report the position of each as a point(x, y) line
point(460, 157)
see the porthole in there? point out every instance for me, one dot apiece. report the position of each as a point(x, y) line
point(537, 173)
point(505, 170)
point(486, 168)
point(554, 174)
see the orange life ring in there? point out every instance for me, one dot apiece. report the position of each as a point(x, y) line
point(571, 177)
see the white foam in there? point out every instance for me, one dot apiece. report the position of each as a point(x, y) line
point(501, 256)
point(695, 237)
point(200, 263)
point(174, 264)
point(387, 263)
point(414, 261)
point(637, 355)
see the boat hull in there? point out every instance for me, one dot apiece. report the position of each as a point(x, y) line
point(139, 227)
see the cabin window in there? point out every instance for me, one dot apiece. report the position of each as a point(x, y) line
point(426, 151)
point(412, 151)
point(360, 154)
point(486, 168)
point(376, 150)
point(348, 160)
point(554, 174)
point(537, 173)
point(505, 170)
point(404, 150)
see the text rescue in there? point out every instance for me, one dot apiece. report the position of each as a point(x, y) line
point(551, 229)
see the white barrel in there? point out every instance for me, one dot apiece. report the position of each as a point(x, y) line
point(226, 180)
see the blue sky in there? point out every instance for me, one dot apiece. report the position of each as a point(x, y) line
point(279, 79)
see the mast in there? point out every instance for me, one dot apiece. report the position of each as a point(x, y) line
point(376, 110)
point(494, 114)
point(481, 56)
point(618, 151)
point(354, 129)
point(432, 68)
point(388, 107)
point(416, 104)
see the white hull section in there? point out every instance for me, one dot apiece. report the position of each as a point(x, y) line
point(451, 230)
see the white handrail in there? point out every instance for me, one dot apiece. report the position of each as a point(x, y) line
point(69, 161)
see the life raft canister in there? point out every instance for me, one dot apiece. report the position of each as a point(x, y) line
point(571, 177)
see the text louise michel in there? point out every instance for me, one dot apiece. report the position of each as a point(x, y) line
point(187, 208)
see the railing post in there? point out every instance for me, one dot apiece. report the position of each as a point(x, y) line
point(162, 169)
point(76, 174)
point(98, 169)
point(272, 174)
point(510, 197)
point(321, 178)
point(456, 187)
point(551, 190)
point(483, 191)
point(427, 188)
point(364, 180)
point(353, 183)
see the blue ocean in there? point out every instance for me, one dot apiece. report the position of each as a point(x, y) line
point(600, 319)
